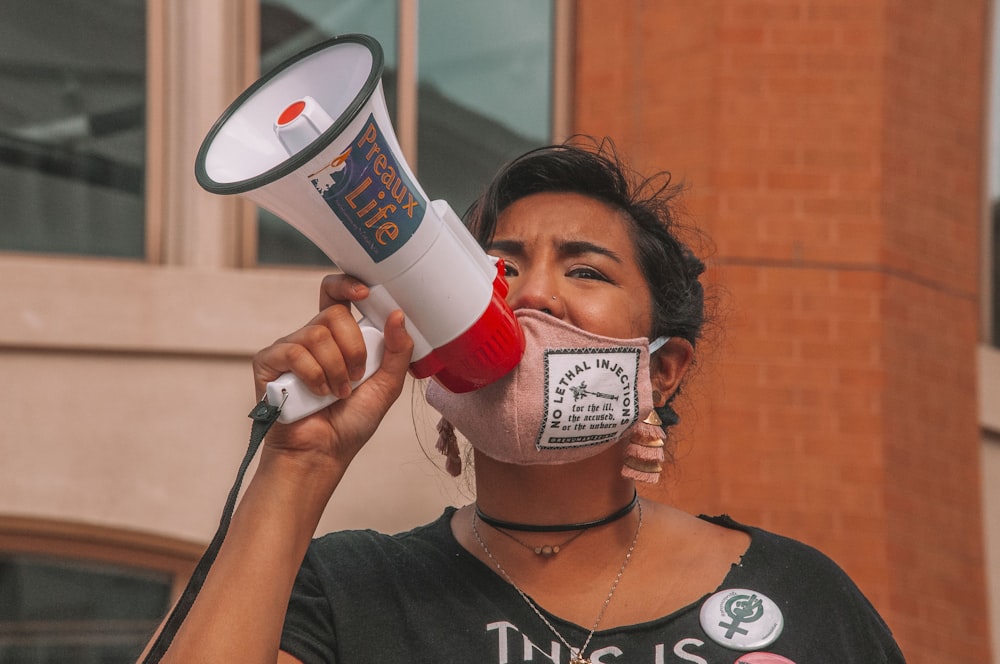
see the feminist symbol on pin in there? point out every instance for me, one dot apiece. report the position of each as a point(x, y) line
point(742, 609)
point(741, 619)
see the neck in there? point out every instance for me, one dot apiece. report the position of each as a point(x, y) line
point(560, 527)
point(540, 494)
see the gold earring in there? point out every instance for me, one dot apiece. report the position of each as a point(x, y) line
point(447, 444)
point(644, 455)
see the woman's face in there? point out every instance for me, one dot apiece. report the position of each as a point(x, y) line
point(572, 255)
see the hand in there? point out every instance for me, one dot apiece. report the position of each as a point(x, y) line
point(327, 354)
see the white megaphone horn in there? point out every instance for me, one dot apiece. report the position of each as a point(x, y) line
point(311, 142)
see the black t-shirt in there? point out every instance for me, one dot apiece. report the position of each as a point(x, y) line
point(365, 597)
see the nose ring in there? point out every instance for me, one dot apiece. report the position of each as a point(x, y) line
point(553, 297)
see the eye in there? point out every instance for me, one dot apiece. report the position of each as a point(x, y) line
point(586, 272)
point(509, 269)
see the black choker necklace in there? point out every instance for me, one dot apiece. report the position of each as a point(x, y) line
point(561, 527)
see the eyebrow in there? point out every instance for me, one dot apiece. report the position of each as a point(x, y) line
point(567, 248)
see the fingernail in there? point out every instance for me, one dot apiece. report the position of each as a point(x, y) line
point(343, 390)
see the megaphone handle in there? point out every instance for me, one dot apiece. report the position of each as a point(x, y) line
point(298, 401)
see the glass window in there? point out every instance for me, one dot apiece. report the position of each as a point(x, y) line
point(287, 27)
point(485, 93)
point(485, 88)
point(72, 126)
point(55, 610)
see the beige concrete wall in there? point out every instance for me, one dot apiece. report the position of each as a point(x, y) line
point(127, 387)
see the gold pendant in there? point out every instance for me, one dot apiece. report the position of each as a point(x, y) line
point(579, 659)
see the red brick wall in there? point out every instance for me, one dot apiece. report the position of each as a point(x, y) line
point(931, 196)
point(833, 152)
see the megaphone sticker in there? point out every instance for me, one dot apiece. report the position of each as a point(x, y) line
point(371, 194)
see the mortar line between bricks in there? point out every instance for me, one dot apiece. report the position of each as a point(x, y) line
point(905, 275)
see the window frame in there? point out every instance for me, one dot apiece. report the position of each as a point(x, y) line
point(407, 82)
point(78, 542)
point(200, 56)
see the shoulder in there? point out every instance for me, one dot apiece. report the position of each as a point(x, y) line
point(783, 558)
point(815, 594)
point(432, 533)
point(776, 560)
point(357, 550)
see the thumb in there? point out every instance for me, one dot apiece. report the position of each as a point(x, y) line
point(398, 346)
point(383, 387)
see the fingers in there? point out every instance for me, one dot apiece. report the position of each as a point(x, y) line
point(326, 354)
point(344, 289)
point(329, 353)
point(384, 386)
point(340, 289)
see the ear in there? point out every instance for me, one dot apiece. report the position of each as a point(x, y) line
point(668, 365)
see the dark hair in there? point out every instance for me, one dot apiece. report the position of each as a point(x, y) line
point(670, 267)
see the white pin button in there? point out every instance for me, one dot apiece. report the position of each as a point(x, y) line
point(741, 619)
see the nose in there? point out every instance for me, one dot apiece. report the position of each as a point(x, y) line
point(538, 292)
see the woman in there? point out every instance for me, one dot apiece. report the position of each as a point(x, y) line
point(557, 560)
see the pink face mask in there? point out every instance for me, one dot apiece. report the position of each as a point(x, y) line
point(572, 396)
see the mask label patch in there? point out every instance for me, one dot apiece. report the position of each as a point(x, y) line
point(591, 396)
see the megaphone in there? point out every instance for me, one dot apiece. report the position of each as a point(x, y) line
point(311, 142)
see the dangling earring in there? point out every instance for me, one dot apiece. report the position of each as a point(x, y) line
point(447, 444)
point(644, 455)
